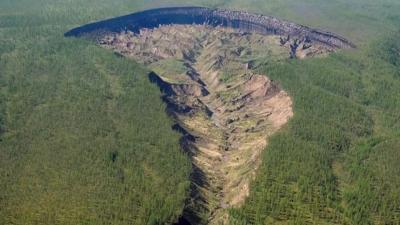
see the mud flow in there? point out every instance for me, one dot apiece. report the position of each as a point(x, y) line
point(223, 108)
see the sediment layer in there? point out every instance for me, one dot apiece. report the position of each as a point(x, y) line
point(246, 22)
point(224, 110)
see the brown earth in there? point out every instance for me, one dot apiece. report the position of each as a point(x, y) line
point(224, 109)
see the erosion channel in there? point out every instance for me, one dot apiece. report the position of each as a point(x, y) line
point(205, 67)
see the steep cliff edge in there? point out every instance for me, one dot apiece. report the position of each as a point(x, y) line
point(246, 22)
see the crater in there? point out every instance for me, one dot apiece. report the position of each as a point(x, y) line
point(204, 61)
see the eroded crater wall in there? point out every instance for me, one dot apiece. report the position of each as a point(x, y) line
point(246, 22)
point(224, 109)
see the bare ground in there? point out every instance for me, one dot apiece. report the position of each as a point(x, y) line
point(226, 110)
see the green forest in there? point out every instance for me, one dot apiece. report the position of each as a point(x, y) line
point(84, 137)
point(337, 161)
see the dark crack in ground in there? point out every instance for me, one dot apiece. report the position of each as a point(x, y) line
point(224, 109)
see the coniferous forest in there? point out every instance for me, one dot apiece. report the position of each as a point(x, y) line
point(85, 137)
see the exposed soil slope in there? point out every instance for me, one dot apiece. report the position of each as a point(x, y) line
point(248, 22)
point(225, 110)
point(203, 60)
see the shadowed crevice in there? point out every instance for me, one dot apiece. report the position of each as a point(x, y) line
point(203, 61)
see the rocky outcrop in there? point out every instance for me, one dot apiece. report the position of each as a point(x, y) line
point(244, 21)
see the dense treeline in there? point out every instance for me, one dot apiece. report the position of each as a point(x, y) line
point(337, 161)
point(85, 138)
